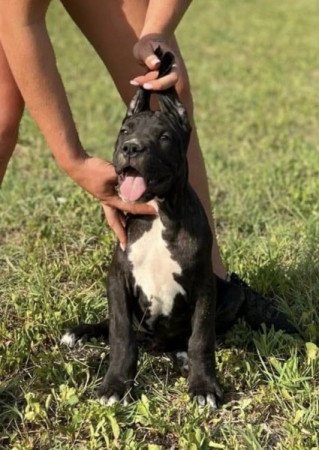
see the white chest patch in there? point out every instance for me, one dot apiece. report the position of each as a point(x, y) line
point(154, 269)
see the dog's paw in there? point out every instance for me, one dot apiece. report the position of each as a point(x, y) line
point(70, 339)
point(182, 362)
point(207, 393)
point(113, 390)
point(81, 333)
point(207, 400)
point(114, 399)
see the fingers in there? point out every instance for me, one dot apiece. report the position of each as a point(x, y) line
point(151, 61)
point(132, 208)
point(122, 218)
point(162, 83)
point(151, 82)
point(144, 52)
point(114, 220)
point(140, 80)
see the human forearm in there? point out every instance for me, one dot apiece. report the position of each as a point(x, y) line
point(32, 61)
point(163, 16)
point(31, 58)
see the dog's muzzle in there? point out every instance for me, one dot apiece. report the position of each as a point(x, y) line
point(132, 184)
point(132, 148)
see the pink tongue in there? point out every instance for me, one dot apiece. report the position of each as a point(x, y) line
point(132, 187)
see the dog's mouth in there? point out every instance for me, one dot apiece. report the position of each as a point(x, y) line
point(132, 185)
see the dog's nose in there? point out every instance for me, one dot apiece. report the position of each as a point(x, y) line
point(132, 148)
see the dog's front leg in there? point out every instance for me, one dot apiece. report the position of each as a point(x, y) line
point(201, 351)
point(123, 345)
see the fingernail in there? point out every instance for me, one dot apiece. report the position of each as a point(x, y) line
point(122, 246)
point(147, 86)
point(155, 61)
point(134, 83)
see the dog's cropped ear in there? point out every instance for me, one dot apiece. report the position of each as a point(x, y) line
point(167, 62)
point(170, 104)
point(140, 102)
point(168, 99)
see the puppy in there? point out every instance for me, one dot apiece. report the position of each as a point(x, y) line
point(162, 285)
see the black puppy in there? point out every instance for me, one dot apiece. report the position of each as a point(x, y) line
point(163, 282)
point(161, 289)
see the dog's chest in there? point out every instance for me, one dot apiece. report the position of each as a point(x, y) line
point(153, 269)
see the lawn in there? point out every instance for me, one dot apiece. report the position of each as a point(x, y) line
point(254, 68)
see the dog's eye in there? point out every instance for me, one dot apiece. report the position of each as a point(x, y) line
point(123, 131)
point(165, 137)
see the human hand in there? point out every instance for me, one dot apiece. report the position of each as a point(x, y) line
point(98, 177)
point(144, 52)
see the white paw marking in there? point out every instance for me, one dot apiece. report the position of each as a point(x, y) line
point(103, 400)
point(208, 400)
point(125, 402)
point(211, 401)
point(201, 400)
point(182, 358)
point(109, 401)
point(68, 339)
point(154, 270)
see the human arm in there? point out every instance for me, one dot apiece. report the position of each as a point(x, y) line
point(163, 17)
point(30, 54)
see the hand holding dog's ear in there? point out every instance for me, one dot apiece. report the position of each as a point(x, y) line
point(144, 52)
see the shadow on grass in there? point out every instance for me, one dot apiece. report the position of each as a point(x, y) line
point(296, 290)
point(11, 401)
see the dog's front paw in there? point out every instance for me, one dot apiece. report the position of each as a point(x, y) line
point(70, 339)
point(113, 399)
point(207, 400)
point(113, 390)
point(206, 392)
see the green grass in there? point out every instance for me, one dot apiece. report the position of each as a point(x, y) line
point(254, 71)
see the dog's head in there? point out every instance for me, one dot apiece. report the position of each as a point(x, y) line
point(150, 152)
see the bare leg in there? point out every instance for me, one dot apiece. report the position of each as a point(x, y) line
point(11, 108)
point(113, 28)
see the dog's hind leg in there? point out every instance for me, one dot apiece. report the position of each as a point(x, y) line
point(86, 331)
point(180, 360)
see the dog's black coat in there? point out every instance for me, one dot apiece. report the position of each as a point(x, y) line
point(160, 141)
point(188, 238)
point(154, 144)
